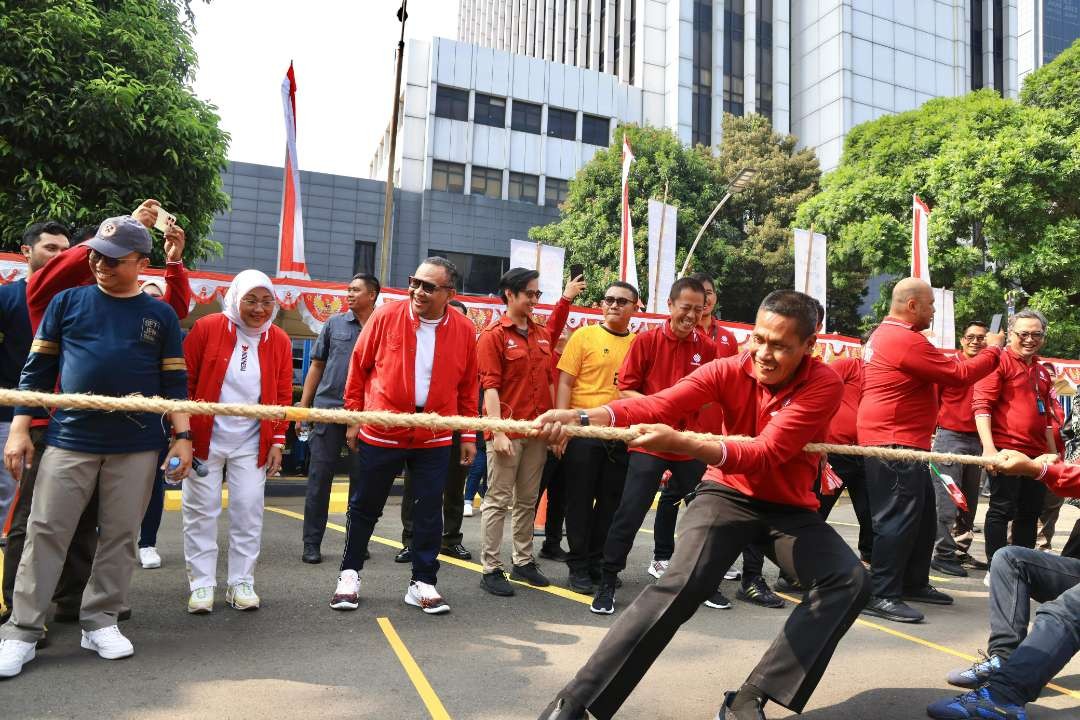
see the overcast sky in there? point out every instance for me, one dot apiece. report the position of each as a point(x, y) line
point(343, 56)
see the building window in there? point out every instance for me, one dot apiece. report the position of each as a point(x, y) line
point(588, 34)
point(490, 110)
point(1061, 26)
point(976, 44)
point(364, 257)
point(562, 124)
point(478, 274)
point(447, 176)
point(618, 38)
point(603, 34)
point(701, 99)
point(633, 36)
point(594, 130)
point(573, 13)
point(486, 182)
point(525, 117)
point(451, 103)
point(555, 191)
point(733, 56)
point(763, 101)
point(524, 187)
point(999, 47)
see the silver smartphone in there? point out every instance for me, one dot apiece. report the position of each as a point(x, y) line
point(995, 323)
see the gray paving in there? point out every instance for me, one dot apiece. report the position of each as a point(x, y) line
point(490, 658)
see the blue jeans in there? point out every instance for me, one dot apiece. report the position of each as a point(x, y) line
point(369, 487)
point(476, 482)
point(151, 521)
point(1017, 576)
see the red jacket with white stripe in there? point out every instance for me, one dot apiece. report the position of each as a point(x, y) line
point(208, 349)
point(382, 374)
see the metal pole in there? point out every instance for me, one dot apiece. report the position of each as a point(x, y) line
point(388, 202)
point(686, 263)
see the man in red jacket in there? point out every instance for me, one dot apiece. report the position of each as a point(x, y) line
point(1012, 412)
point(393, 369)
point(899, 408)
point(761, 490)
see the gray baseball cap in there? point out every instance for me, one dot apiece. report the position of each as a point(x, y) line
point(120, 236)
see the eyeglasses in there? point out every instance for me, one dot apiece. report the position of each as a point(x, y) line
point(975, 338)
point(418, 284)
point(96, 257)
point(252, 303)
point(533, 294)
point(1036, 335)
point(620, 301)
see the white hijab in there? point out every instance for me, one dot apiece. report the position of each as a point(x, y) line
point(242, 284)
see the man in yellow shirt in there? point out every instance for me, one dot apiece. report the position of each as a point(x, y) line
point(595, 469)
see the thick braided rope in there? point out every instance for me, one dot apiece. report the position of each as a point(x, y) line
point(426, 421)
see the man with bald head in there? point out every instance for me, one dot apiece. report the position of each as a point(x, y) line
point(899, 409)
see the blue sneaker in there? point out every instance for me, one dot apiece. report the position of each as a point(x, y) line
point(977, 674)
point(975, 705)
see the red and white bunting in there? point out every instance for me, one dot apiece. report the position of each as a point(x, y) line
point(920, 240)
point(291, 238)
point(627, 261)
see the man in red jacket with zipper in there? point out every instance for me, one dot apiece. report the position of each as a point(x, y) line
point(899, 409)
point(756, 491)
point(393, 369)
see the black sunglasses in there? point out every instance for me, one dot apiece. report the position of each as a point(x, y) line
point(620, 301)
point(96, 257)
point(418, 284)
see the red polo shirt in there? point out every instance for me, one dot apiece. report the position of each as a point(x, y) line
point(772, 467)
point(956, 413)
point(517, 366)
point(1016, 398)
point(1063, 479)
point(843, 430)
point(712, 415)
point(899, 404)
point(657, 360)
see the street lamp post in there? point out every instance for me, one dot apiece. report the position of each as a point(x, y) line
point(738, 184)
point(388, 202)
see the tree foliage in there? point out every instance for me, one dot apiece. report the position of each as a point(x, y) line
point(747, 248)
point(97, 114)
point(1001, 178)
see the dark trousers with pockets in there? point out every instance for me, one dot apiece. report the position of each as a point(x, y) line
point(80, 555)
point(554, 484)
point(453, 509)
point(595, 471)
point(151, 521)
point(905, 524)
point(852, 470)
point(642, 481)
point(370, 487)
point(1016, 499)
point(716, 526)
point(324, 445)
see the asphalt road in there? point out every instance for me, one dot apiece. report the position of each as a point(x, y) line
point(490, 658)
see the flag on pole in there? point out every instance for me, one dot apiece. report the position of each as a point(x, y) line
point(291, 238)
point(663, 222)
point(920, 236)
point(627, 262)
point(811, 265)
point(955, 494)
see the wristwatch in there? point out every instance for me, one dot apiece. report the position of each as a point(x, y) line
point(185, 435)
point(583, 417)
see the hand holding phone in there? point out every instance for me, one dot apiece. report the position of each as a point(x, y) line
point(165, 220)
point(577, 270)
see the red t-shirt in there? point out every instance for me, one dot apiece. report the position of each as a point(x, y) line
point(956, 413)
point(899, 404)
point(712, 415)
point(1063, 479)
point(1016, 398)
point(843, 429)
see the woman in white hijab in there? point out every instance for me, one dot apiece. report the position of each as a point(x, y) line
point(235, 356)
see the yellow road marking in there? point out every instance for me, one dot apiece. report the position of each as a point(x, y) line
point(423, 687)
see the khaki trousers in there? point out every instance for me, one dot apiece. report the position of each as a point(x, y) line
point(513, 483)
point(66, 481)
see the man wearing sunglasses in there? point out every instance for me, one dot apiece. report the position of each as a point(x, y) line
point(393, 368)
point(595, 469)
point(1012, 412)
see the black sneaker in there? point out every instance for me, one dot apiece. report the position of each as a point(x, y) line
point(604, 601)
point(783, 584)
point(892, 609)
point(495, 582)
point(581, 582)
point(404, 555)
point(457, 550)
point(312, 555)
point(969, 562)
point(718, 601)
point(726, 713)
point(948, 566)
point(553, 553)
point(757, 591)
point(529, 573)
point(928, 594)
point(563, 709)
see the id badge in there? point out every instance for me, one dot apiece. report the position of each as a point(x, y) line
point(1039, 404)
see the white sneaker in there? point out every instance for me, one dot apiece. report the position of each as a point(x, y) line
point(201, 601)
point(426, 597)
point(13, 655)
point(468, 511)
point(986, 579)
point(658, 568)
point(149, 558)
point(733, 573)
point(347, 593)
point(241, 596)
point(108, 643)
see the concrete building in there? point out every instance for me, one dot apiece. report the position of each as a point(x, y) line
point(1044, 29)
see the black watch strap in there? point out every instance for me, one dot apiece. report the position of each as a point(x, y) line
point(185, 435)
point(583, 417)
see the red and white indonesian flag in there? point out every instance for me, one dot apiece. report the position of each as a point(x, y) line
point(627, 262)
point(920, 236)
point(291, 241)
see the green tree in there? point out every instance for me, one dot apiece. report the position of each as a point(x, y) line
point(1001, 179)
point(747, 247)
point(97, 114)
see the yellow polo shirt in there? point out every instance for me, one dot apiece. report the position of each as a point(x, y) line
point(593, 355)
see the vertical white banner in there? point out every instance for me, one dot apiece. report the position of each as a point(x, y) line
point(661, 255)
point(943, 331)
point(920, 239)
point(523, 254)
point(627, 258)
point(811, 265)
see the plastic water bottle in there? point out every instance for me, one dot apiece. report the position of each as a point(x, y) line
point(170, 471)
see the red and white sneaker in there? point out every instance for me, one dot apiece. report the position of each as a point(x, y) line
point(426, 597)
point(347, 593)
